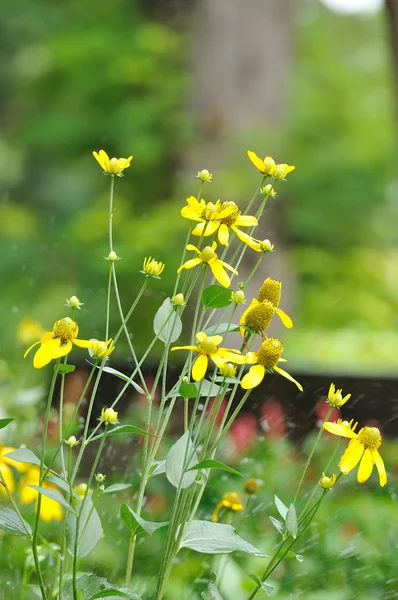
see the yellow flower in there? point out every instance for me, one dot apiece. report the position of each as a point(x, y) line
point(327, 482)
point(335, 397)
point(271, 290)
point(108, 415)
point(57, 343)
point(266, 357)
point(257, 316)
point(209, 256)
point(230, 500)
point(219, 216)
point(5, 464)
point(362, 448)
point(207, 347)
point(29, 330)
point(114, 166)
point(152, 267)
point(49, 510)
point(102, 349)
point(261, 245)
point(268, 166)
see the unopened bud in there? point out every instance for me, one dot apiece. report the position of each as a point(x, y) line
point(238, 297)
point(112, 256)
point(204, 175)
point(178, 299)
point(251, 486)
point(327, 482)
point(74, 302)
point(108, 415)
point(266, 246)
point(228, 370)
point(100, 477)
point(207, 254)
point(71, 441)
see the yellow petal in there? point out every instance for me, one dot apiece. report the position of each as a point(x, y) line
point(185, 348)
point(219, 273)
point(365, 467)
point(84, 343)
point(246, 221)
point(351, 456)
point(339, 429)
point(257, 162)
point(199, 367)
point(189, 213)
point(246, 238)
point(378, 461)
point(4, 459)
point(216, 339)
point(253, 378)
point(251, 358)
point(50, 510)
point(192, 247)
point(190, 264)
point(200, 336)
point(206, 228)
point(223, 235)
point(217, 359)
point(227, 266)
point(30, 348)
point(286, 320)
point(50, 350)
point(287, 375)
point(228, 355)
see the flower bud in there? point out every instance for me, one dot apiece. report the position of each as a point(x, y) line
point(268, 190)
point(178, 299)
point(112, 256)
point(185, 379)
point(102, 349)
point(204, 175)
point(152, 267)
point(266, 246)
point(71, 441)
point(74, 302)
point(327, 482)
point(251, 486)
point(238, 297)
point(228, 370)
point(100, 477)
point(207, 254)
point(108, 415)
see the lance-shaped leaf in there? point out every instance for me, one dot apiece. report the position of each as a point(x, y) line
point(5, 422)
point(90, 529)
point(120, 375)
point(180, 454)
point(216, 538)
point(214, 464)
point(291, 521)
point(135, 523)
point(24, 455)
point(167, 324)
point(267, 589)
point(52, 494)
point(11, 522)
point(116, 487)
point(282, 508)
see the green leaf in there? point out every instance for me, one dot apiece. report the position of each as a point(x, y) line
point(52, 494)
point(207, 388)
point(216, 296)
point(64, 369)
point(135, 523)
point(94, 588)
point(214, 464)
point(267, 589)
point(58, 481)
point(211, 593)
point(123, 429)
point(222, 328)
point(5, 422)
point(216, 538)
point(117, 487)
point(188, 390)
point(10, 522)
point(176, 456)
point(291, 521)
point(281, 508)
point(158, 467)
point(279, 526)
point(122, 376)
point(109, 592)
point(167, 324)
point(24, 455)
point(291, 554)
point(89, 528)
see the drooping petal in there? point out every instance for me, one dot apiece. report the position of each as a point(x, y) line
point(351, 456)
point(245, 237)
point(229, 355)
point(217, 359)
point(251, 358)
point(200, 336)
point(286, 320)
point(216, 339)
point(378, 461)
point(199, 367)
point(339, 429)
point(185, 348)
point(190, 213)
point(257, 162)
point(365, 466)
point(190, 264)
point(63, 350)
point(253, 378)
point(227, 211)
point(84, 343)
point(223, 235)
point(206, 228)
point(219, 273)
point(30, 348)
point(246, 221)
point(287, 375)
point(192, 247)
point(44, 354)
point(227, 266)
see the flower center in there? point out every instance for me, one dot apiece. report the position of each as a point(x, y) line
point(269, 353)
point(66, 329)
point(210, 211)
point(259, 316)
point(271, 291)
point(207, 254)
point(233, 217)
point(208, 346)
point(370, 437)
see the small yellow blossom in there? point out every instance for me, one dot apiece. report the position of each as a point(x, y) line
point(102, 349)
point(209, 256)
point(57, 343)
point(362, 448)
point(204, 175)
point(71, 441)
point(6, 471)
point(108, 415)
point(230, 500)
point(152, 267)
point(81, 489)
point(219, 217)
point(29, 330)
point(112, 256)
point(178, 299)
point(335, 397)
point(327, 482)
point(74, 302)
point(207, 347)
point(114, 166)
point(268, 166)
point(50, 510)
point(268, 190)
point(238, 297)
point(267, 357)
point(251, 486)
point(228, 370)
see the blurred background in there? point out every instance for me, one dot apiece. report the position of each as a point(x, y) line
point(185, 85)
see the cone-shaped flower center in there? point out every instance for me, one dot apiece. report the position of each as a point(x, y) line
point(259, 316)
point(271, 291)
point(207, 254)
point(210, 211)
point(233, 217)
point(269, 353)
point(66, 329)
point(370, 437)
point(208, 346)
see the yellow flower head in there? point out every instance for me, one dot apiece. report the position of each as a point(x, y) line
point(362, 449)
point(267, 357)
point(207, 347)
point(57, 343)
point(102, 349)
point(113, 166)
point(152, 267)
point(258, 316)
point(108, 415)
point(209, 256)
point(219, 217)
point(230, 500)
point(29, 330)
point(271, 290)
point(327, 482)
point(268, 166)
point(81, 489)
point(251, 486)
point(335, 397)
point(204, 175)
point(6, 471)
point(49, 509)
